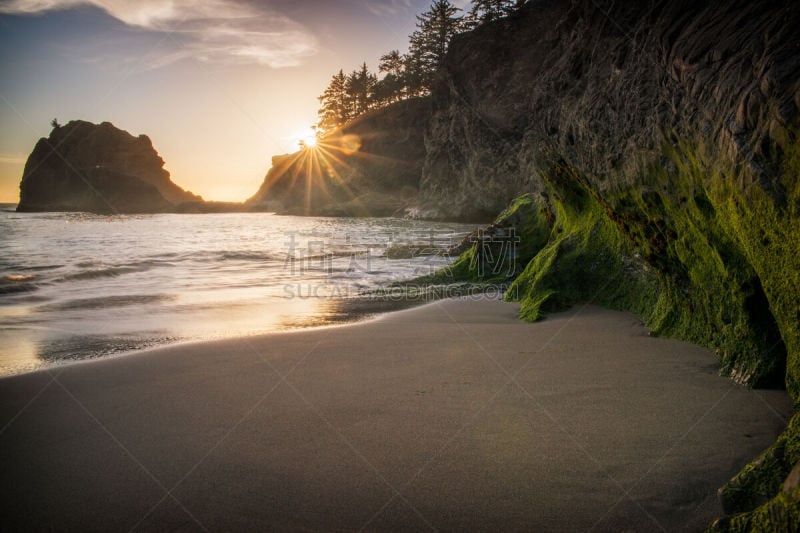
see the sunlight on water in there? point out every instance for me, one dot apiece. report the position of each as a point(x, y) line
point(77, 286)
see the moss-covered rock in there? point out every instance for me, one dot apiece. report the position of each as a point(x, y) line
point(692, 254)
point(765, 477)
point(657, 145)
point(702, 283)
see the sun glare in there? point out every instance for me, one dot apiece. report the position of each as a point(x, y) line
point(306, 137)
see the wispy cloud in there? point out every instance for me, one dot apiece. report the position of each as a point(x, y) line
point(405, 7)
point(209, 30)
point(389, 7)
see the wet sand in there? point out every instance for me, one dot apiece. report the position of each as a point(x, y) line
point(450, 416)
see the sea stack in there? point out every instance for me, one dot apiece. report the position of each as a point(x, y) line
point(98, 168)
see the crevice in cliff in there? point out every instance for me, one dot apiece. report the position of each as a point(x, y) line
point(756, 305)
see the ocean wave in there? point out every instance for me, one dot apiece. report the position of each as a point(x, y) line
point(89, 269)
point(16, 283)
point(38, 268)
point(245, 256)
point(17, 288)
point(83, 347)
point(107, 302)
point(220, 256)
point(8, 267)
point(108, 272)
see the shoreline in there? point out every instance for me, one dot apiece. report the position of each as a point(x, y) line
point(103, 298)
point(347, 311)
point(350, 320)
point(476, 420)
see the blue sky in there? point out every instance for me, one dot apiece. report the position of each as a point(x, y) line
point(219, 85)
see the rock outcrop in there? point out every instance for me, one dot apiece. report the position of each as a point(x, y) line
point(98, 168)
point(371, 167)
point(605, 91)
point(657, 147)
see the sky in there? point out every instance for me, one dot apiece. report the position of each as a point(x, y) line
point(220, 86)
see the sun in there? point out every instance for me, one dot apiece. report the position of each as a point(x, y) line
point(306, 138)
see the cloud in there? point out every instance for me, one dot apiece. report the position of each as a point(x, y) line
point(389, 7)
point(208, 30)
point(383, 8)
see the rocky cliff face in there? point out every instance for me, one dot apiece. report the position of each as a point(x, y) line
point(371, 167)
point(657, 145)
point(97, 168)
point(605, 91)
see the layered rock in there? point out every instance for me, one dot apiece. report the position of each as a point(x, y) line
point(371, 167)
point(657, 145)
point(98, 168)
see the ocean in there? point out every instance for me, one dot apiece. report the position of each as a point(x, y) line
point(79, 286)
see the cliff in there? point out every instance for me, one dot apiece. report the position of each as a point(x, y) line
point(371, 167)
point(656, 145)
point(97, 168)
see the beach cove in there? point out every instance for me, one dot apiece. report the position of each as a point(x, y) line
point(454, 415)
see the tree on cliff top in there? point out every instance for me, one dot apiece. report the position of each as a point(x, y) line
point(393, 86)
point(346, 97)
point(428, 44)
point(489, 10)
point(360, 88)
point(335, 108)
point(405, 75)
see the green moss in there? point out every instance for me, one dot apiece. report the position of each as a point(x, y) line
point(757, 236)
point(585, 259)
point(679, 249)
point(761, 480)
point(674, 250)
point(779, 515)
point(500, 252)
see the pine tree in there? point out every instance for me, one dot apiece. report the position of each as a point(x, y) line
point(335, 110)
point(392, 63)
point(489, 10)
point(360, 88)
point(428, 44)
point(393, 85)
point(405, 76)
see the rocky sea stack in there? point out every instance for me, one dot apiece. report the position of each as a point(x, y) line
point(98, 168)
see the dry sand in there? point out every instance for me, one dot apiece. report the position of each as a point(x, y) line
point(451, 416)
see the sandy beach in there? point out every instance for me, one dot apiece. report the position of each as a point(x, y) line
point(450, 416)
